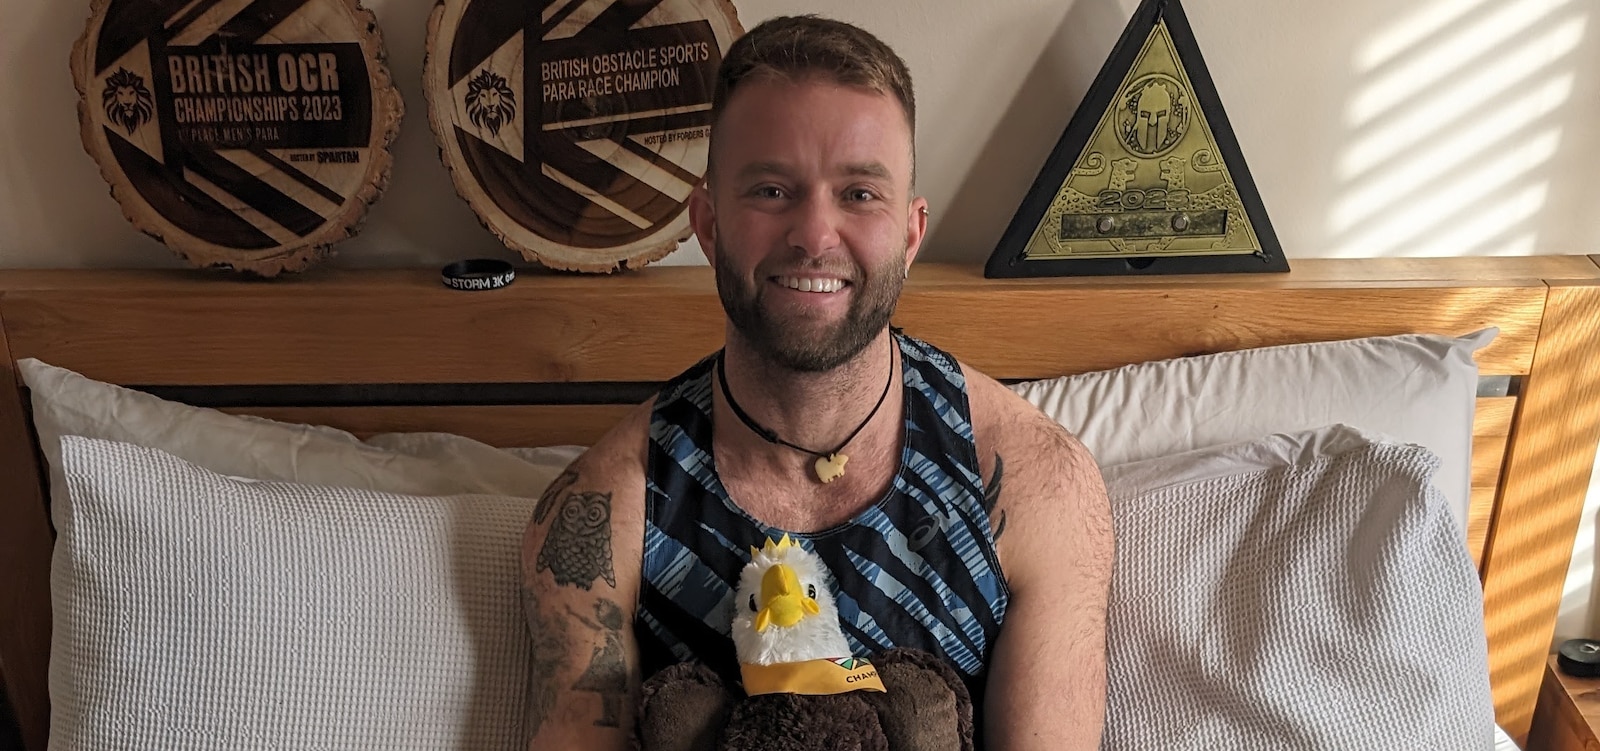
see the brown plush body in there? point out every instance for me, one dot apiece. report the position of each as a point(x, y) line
point(925, 707)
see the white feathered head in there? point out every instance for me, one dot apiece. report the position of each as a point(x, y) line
point(784, 608)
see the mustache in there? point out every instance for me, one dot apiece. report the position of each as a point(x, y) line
point(850, 273)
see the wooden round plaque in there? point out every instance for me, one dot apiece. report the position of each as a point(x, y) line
point(250, 135)
point(576, 129)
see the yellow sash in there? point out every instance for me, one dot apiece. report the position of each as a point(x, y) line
point(831, 676)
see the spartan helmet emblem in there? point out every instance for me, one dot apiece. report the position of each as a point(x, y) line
point(490, 101)
point(1155, 115)
point(126, 100)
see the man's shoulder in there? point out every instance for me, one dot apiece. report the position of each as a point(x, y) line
point(618, 458)
point(995, 407)
point(1052, 490)
point(625, 443)
point(1005, 424)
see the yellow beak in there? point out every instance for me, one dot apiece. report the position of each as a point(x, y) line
point(782, 602)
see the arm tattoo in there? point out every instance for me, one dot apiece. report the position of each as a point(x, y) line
point(547, 500)
point(549, 652)
point(607, 675)
point(991, 497)
point(577, 549)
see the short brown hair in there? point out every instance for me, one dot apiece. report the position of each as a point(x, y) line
point(795, 47)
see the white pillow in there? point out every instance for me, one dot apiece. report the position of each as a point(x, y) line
point(1415, 388)
point(194, 610)
point(1302, 591)
point(66, 403)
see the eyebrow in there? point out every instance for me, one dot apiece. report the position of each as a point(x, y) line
point(763, 168)
point(868, 169)
point(863, 169)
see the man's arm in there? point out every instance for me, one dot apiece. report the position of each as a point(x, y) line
point(1047, 674)
point(581, 558)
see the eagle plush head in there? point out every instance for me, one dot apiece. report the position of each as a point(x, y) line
point(799, 686)
point(785, 610)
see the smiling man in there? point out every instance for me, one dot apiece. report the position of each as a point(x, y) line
point(954, 516)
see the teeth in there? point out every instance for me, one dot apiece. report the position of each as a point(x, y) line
point(811, 285)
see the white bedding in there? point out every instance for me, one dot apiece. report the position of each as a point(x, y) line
point(423, 463)
point(1232, 625)
point(193, 611)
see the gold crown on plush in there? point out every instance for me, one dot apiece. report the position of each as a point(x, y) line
point(770, 547)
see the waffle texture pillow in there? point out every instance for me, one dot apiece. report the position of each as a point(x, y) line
point(194, 610)
point(1414, 388)
point(1304, 591)
point(67, 403)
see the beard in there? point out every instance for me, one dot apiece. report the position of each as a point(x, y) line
point(793, 343)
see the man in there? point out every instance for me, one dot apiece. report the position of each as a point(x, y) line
point(953, 515)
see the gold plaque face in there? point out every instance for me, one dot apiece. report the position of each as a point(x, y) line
point(1147, 178)
point(1150, 182)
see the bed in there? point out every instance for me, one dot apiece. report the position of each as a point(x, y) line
point(553, 360)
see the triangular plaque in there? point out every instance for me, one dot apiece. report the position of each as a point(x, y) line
point(1147, 178)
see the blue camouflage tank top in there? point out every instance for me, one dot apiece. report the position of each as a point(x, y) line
point(917, 569)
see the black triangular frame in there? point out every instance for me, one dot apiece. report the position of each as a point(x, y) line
point(1007, 259)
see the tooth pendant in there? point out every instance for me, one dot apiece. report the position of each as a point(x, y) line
point(831, 467)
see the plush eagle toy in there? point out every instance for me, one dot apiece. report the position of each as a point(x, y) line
point(801, 689)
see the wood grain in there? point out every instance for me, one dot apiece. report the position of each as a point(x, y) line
point(1491, 419)
point(1307, 272)
point(1529, 543)
point(567, 162)
point(252, 191)
point(1568, 712)
point(1078, 330)
point(164, 329)
point(1488, 456)
point(1479, 514)
point(25, 561)
point(1491, 432)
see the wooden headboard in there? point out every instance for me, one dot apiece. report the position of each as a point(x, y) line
point(553, 359)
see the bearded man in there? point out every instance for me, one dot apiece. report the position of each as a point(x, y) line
point(954, 516)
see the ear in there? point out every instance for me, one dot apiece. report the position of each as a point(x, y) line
point(916, 228)
point(703, 218)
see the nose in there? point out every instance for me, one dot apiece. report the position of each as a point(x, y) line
point(815, 227)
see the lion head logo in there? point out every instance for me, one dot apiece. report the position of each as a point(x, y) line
point(128, 103)
point(490, 101)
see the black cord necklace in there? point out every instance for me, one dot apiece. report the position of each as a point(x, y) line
point(830, 464)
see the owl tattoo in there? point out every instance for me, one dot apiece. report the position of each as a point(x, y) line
point(577, 549)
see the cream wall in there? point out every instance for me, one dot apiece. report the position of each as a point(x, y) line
point(1371, 127)
point(1440, 127)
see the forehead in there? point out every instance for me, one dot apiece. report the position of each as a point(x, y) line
point(811, 123)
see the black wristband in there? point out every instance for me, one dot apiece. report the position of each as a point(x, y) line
point(1580, 657)
point(478, 274)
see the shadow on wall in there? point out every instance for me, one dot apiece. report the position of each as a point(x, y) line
point(1451, 129)
point(57, 210)
point(1580, 610)
point(10, 736)
point(1019, 144)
